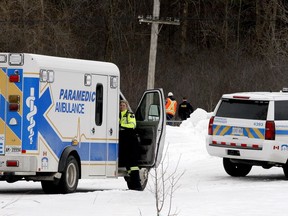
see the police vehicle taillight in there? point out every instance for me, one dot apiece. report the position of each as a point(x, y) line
point(210, 127)
point(270, 130)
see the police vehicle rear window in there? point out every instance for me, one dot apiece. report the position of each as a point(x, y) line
point(281, 110)
point(243, 109)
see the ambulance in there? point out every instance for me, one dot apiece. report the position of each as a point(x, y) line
point(59, 122)
point(250, 129)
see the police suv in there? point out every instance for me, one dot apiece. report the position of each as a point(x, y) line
point(250, 128)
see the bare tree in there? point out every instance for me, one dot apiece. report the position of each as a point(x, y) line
point(164, 185)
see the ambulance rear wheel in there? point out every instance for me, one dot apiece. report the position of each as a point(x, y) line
point(236, 169)
point(69, 179)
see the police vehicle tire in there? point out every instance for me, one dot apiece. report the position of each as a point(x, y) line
point(69, 179)
point(50, 187)
point(236, 169)
point(285, 169)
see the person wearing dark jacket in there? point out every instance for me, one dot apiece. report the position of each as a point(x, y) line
point(185, 109)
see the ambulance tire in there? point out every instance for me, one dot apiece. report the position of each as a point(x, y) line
point(236, 169)
point(70, 176)
point(143, 174)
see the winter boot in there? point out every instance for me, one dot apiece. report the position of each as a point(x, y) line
point(135, 182)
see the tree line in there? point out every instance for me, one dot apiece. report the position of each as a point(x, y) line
point(221, 46)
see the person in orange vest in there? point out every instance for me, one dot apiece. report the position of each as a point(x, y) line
point(171, 106)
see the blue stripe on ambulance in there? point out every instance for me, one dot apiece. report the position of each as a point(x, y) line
point(55, 143)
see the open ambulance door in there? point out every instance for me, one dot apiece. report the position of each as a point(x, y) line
point(151, 127)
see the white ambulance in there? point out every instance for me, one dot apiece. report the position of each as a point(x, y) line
point(59, 122)
point(250, 128)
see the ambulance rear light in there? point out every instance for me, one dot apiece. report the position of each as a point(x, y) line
point(210, 126)
point(270, 130)
point(12, 163)
point(16, 59)
point(14, 78)
point(14, 98)
point(14, 103)
point(14, 107)
point(241, 97)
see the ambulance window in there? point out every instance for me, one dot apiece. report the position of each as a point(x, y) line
point(281, 110)
point(99, 105)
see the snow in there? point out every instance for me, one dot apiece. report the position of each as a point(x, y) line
point(203, 189)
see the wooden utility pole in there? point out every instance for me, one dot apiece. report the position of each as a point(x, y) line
point(154, 19)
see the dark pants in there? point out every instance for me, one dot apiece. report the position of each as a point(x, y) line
point(128, 148)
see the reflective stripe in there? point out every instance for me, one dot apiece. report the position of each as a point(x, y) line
point(134, 168)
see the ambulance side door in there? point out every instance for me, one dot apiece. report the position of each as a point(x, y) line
point(98, 148)
point(151, 127)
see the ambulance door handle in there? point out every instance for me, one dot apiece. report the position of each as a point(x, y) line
point(111, 131)
point(93, 130)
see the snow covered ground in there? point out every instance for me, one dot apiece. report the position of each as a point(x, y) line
point(204, 189)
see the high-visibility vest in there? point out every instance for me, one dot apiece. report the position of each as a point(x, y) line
point(171, 106)
point(127, 119)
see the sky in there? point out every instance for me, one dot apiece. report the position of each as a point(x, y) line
point(201, 186)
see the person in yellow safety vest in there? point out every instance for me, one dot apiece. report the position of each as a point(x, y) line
point(129, 145)
point(171, 106)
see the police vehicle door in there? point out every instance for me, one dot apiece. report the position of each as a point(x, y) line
point(151, 127)
point(98, 149)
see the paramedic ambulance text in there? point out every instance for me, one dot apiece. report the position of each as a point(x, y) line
point(74, 95)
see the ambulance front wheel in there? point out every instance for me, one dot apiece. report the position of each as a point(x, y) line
point(143, 174)
point(70, 176)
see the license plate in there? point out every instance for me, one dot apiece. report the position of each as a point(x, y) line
point(237, 131)
point(233, 152)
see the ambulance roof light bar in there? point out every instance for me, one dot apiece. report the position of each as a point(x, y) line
point(16, 59)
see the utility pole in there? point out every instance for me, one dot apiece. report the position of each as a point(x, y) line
point(155, 20)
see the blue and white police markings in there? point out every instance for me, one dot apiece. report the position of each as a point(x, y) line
point(73, 101)
point(284, 147)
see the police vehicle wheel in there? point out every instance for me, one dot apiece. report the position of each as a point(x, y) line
point(70, 176)
point(50, 187)
point(236, 169)
point(285, 169)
